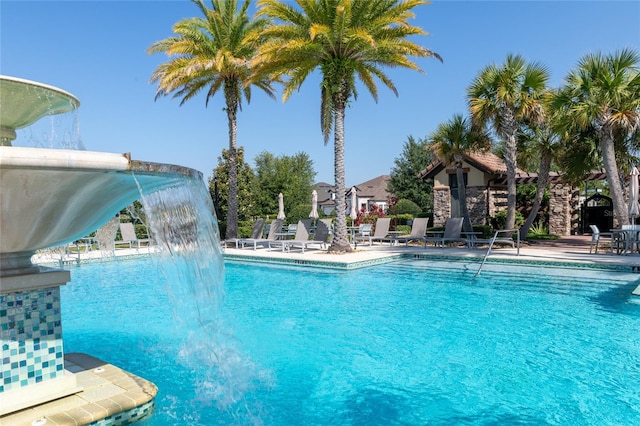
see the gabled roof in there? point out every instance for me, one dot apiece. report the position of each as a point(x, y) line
point(375, 189)
point(486, 162)
point(490, 163)
point(324, 190)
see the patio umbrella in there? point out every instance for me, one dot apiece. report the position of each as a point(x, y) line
point(634, 207)
point(280, 207)
point(354, 212)
point(314, 205)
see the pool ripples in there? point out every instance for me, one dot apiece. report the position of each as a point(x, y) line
point(406, 344)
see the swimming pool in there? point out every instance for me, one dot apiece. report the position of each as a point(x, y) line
point(408, 343)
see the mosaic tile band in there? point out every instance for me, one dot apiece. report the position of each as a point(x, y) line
point(31, 335)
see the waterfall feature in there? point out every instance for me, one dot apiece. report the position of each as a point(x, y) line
point(183, 223)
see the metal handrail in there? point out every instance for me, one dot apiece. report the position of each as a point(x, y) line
point(493, 239)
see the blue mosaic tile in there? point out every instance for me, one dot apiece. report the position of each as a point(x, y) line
point(127, 417)
point(26, 317)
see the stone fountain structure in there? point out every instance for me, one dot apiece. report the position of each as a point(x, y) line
point(50, 197)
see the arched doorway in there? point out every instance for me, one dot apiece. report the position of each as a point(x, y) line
point(597, 210)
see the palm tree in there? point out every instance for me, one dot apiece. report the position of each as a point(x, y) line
point(603, 93)
point(506, 96)
point(210, 54)
point(451, 142)
point(344, 40)
point(542, 145)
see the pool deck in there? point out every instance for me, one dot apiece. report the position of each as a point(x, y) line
point(123, 389)
point(574, 249)
point(570, 249)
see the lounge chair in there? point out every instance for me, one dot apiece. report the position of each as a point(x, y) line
point(473, 242)
point(274, 229)
point(256, 233)
point(381, 230)
point(301, 239)
point(418, 229)
point(128, 233)
point(363, 233)
point(452, 233)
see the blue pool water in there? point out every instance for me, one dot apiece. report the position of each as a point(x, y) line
point(409, 343)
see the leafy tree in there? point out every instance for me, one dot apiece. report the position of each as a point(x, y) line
point(293, 175)
point(345, 40)
point(603, 93)
point(210, 54)
point(219, 181)
point(451, 142)
point(404, 183)
point(506, 96)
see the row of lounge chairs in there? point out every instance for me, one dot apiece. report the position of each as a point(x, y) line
point(304, 236)
point(301, 237)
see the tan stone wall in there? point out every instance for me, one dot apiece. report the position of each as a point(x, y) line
point(441, 205)
point(477, 204)
point(563, 208)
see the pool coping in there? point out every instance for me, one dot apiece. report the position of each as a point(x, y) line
point(109, 396)
point(365, 258)
point(371, 256)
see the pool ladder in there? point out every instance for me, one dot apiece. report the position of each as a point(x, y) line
point(493, 240)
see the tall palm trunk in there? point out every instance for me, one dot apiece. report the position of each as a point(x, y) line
point(509, 132)
point(620, 210)
point(462, 197)
point(340, 242)
point(543, 180)
point(231, 97)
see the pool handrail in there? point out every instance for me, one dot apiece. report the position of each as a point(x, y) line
point(493, 240)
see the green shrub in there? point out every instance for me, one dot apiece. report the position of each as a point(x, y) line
point(537, 229)
point(299, 212)
point(244, 228)
point(487, 231)
point(500, 219)
point(404, 229)
point(400, 219)
point(404, 206)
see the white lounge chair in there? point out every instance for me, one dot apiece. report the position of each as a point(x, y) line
point(128, 233)
point(363, 233)
point(274, 229)
point(301, 239)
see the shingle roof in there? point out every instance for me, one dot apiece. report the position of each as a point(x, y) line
point(492, 164)
point(483, 161)
point(376, 188)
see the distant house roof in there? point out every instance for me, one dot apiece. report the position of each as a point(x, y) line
point(490, 163)
point(375, 189)
point(324, 190)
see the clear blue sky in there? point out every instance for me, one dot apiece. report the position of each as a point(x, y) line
point(97, 51)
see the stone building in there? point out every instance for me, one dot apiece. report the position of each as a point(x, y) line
point(485, 177)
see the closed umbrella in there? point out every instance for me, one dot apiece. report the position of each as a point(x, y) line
point(280, 207)
point(354, 212)
point(634, 207)
point(314, 205)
